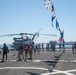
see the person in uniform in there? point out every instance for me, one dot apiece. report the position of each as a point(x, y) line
point(26, 52)
point(30, 48)
point(20, 52)
point(5, 51)
point(73, 47)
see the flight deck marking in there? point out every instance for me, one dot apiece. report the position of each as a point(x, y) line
point(60, 72)
point(37, 68)
point(3, 68)
point(45, 60)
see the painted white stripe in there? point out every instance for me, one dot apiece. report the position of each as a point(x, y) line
point(49, 60)
point(71, 70)
point(50, 73)
point(46, 60)
point(37, 60)
point(46, 74)
point(11, 60)
point(37, 68)
point(24, 68)
point(72, 61)
point(58, 72)
point(64, 72)
point(63, 61)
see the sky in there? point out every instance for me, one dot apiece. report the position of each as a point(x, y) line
point(28, 16)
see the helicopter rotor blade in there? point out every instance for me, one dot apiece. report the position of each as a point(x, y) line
point(49, 34)
point(16, 34)
point(28, 34)
point(9, 35)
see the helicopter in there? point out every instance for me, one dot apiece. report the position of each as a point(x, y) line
point(25, 39)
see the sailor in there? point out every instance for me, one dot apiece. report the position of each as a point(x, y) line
point(35, 49)
point(63, 43)
point(5, 51)
point(26, 52)
point(60, 46)
point(73, 47)
point(20, 52)
point(30, 48)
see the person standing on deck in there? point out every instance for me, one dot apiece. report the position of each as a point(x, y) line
point(63, 46)
point(26, 52)
point(5, 51)
point(35, 50)
point(20, 52)
point(60, 46)
point(30, 49)
point(73, 47)
point(42, 47)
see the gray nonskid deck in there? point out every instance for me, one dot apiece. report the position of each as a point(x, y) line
point(46, 63)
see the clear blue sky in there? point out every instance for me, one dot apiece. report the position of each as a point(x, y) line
point(17, 16)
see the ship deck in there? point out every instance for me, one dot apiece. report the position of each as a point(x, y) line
point(45, 63)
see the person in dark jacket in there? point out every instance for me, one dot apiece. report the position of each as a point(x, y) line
point(60, 46)
point(73, 48)
point(20, 52)
point(5, 51)
point(63, 44)
point(26, 52)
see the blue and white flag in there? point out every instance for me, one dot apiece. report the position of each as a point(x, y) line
point(53, 17)
point(57, 24)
